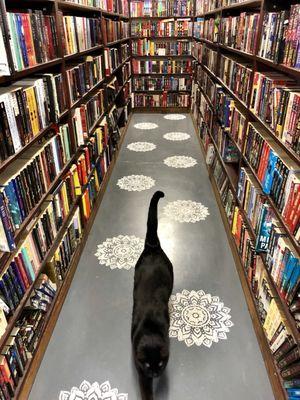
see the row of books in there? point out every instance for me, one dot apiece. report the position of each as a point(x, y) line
point(204, 6)
point(32, 38)
point(240, 32)
point(206, 29)
point(80, 33)
point(203, 79)
point(280, 42)
point(163, 83)
point(25, 182)
point(146, 47)
point(226, 147)
point(89, 3)
point(26, 108)
point(276, 101)
point(161, 100)
point(19, 348)
point(114, 30)
point(161, 8)
point(162, 66)
point(114, 57)
point(168, 27)
point(236, 75)
point(276, 173)
point(27, 261)
point(84, 76)
point(231, 118)
point(115, 6)
point(85, 116)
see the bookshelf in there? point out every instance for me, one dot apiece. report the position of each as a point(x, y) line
point(212, 95)
point(90, 143)
point(163, 39)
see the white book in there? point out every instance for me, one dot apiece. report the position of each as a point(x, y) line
point(7, 99)
point(55, 156)
point(4, 66)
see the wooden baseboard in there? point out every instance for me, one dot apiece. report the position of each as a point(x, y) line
point(160, 110)
point(25, 385)
point(272, 370)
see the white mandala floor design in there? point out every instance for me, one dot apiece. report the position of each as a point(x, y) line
point(146, 125)
point(180, 161)
point(136, 183)
point(177, 136)
point(141, 146)
point(120, 252)
point(186, 211)
point(174, 117)
point(198, 318)
point(87, 391)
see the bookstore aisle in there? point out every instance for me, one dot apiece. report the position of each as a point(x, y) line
point(214, 351)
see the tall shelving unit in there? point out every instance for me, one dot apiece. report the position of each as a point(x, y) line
point(59, 8)
point(255, 63)
point(159, 58)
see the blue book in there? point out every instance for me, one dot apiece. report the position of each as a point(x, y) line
point(294, 392)
point(18, 275)
point(19, 198)
point(293, 397)
point(267, 183)
point(21, 38)
point(264, 230)
point(13, 204)
point(293, 280)
point(287, 273)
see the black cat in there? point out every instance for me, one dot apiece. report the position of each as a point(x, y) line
point(153, 284)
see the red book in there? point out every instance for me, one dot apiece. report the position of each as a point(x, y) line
point(5, 371)
point(83, 121)
point(87, 160)
point(263, 155)
point(265, 163)
point(20, 266)
point(26, 272)
point(28, 39)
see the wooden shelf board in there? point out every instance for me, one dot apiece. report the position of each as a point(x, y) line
point(83, 53)
point(30, 70)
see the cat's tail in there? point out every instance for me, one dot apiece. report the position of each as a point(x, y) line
point(151, 236)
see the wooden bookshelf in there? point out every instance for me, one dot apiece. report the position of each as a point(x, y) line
point(273, 372)
point(174, 38)
point(59, 65)
point(256, 64)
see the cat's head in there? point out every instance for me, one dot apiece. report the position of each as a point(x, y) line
point(152, 355)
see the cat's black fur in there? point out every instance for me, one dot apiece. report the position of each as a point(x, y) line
point(153, 284)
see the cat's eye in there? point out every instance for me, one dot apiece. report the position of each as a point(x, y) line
point(160, 364)
point(147, 365)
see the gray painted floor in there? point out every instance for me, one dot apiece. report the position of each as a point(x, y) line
point(91, 340)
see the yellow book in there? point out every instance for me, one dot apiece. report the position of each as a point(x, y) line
point(152, 51)
point(97, 183)
point(234, 222)
point(75, 175)
point(65, 198)
point(32, 106)
point(3, 322)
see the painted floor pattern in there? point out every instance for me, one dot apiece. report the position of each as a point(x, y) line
point(214, 351)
